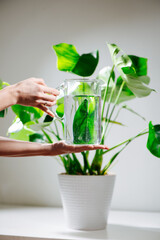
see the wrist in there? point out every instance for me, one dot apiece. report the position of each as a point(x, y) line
point(13, 93)
point(46, 149)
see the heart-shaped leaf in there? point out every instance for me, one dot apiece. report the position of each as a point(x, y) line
point(69, 60)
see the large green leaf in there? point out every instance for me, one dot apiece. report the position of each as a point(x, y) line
point(153, 143)
point(22, 135)
point(86, 64)
point(70, 61)
point(27, 114)
point(83, 124)
point(19, 131)
point(67, 56)
point(133, 71)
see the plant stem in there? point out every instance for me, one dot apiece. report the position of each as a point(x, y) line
point(56, 128)
point(86, 163)
point(112, 159)
point(51, 131)
point(128, 140)
point(47, 136)
point(115, 103)
point(106, 91)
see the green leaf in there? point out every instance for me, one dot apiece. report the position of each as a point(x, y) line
point(71, 165)
point(36, 137)
point(83, 124)
point(22, 135)
point(19, 131)
point(60, 110)
point(67, 56)
point(86, 64)
point(153, 143)
point(80, 124)
point(135, 84)
point(27, 114)
point(38, 126)
point(140, 65)
point(70, 61)
point(104, 75)
point(97, 162)
point(76, 165)
point(125, 95)
point(133, 71)
point(114, 50)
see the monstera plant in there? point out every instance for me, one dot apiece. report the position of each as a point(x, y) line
point(31, 124)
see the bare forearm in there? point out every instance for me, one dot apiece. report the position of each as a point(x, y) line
point(13, 148)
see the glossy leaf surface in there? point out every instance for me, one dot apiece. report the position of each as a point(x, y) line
point(153, 143)
point(83, 124)
point(69, 60)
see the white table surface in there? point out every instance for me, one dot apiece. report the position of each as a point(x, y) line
point(33, 223)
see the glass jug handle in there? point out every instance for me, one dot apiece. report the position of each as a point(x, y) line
point(61, 90)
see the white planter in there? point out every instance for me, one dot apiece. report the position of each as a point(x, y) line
point(86, 200)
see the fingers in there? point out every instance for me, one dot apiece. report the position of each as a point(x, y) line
point(45, 103)
point(45, 88)
point(40, 81)
point(50, 90)
point(82, 148)
point(89, 147)
point(45, 109)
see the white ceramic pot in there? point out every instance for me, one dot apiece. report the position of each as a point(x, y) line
point(86, 200)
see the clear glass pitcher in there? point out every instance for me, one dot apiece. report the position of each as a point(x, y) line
point(82, 111)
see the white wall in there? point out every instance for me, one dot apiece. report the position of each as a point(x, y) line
point(28, 29)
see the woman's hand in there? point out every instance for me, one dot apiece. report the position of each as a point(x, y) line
point(15, 148)
point(61, 147)
point(34, 92)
